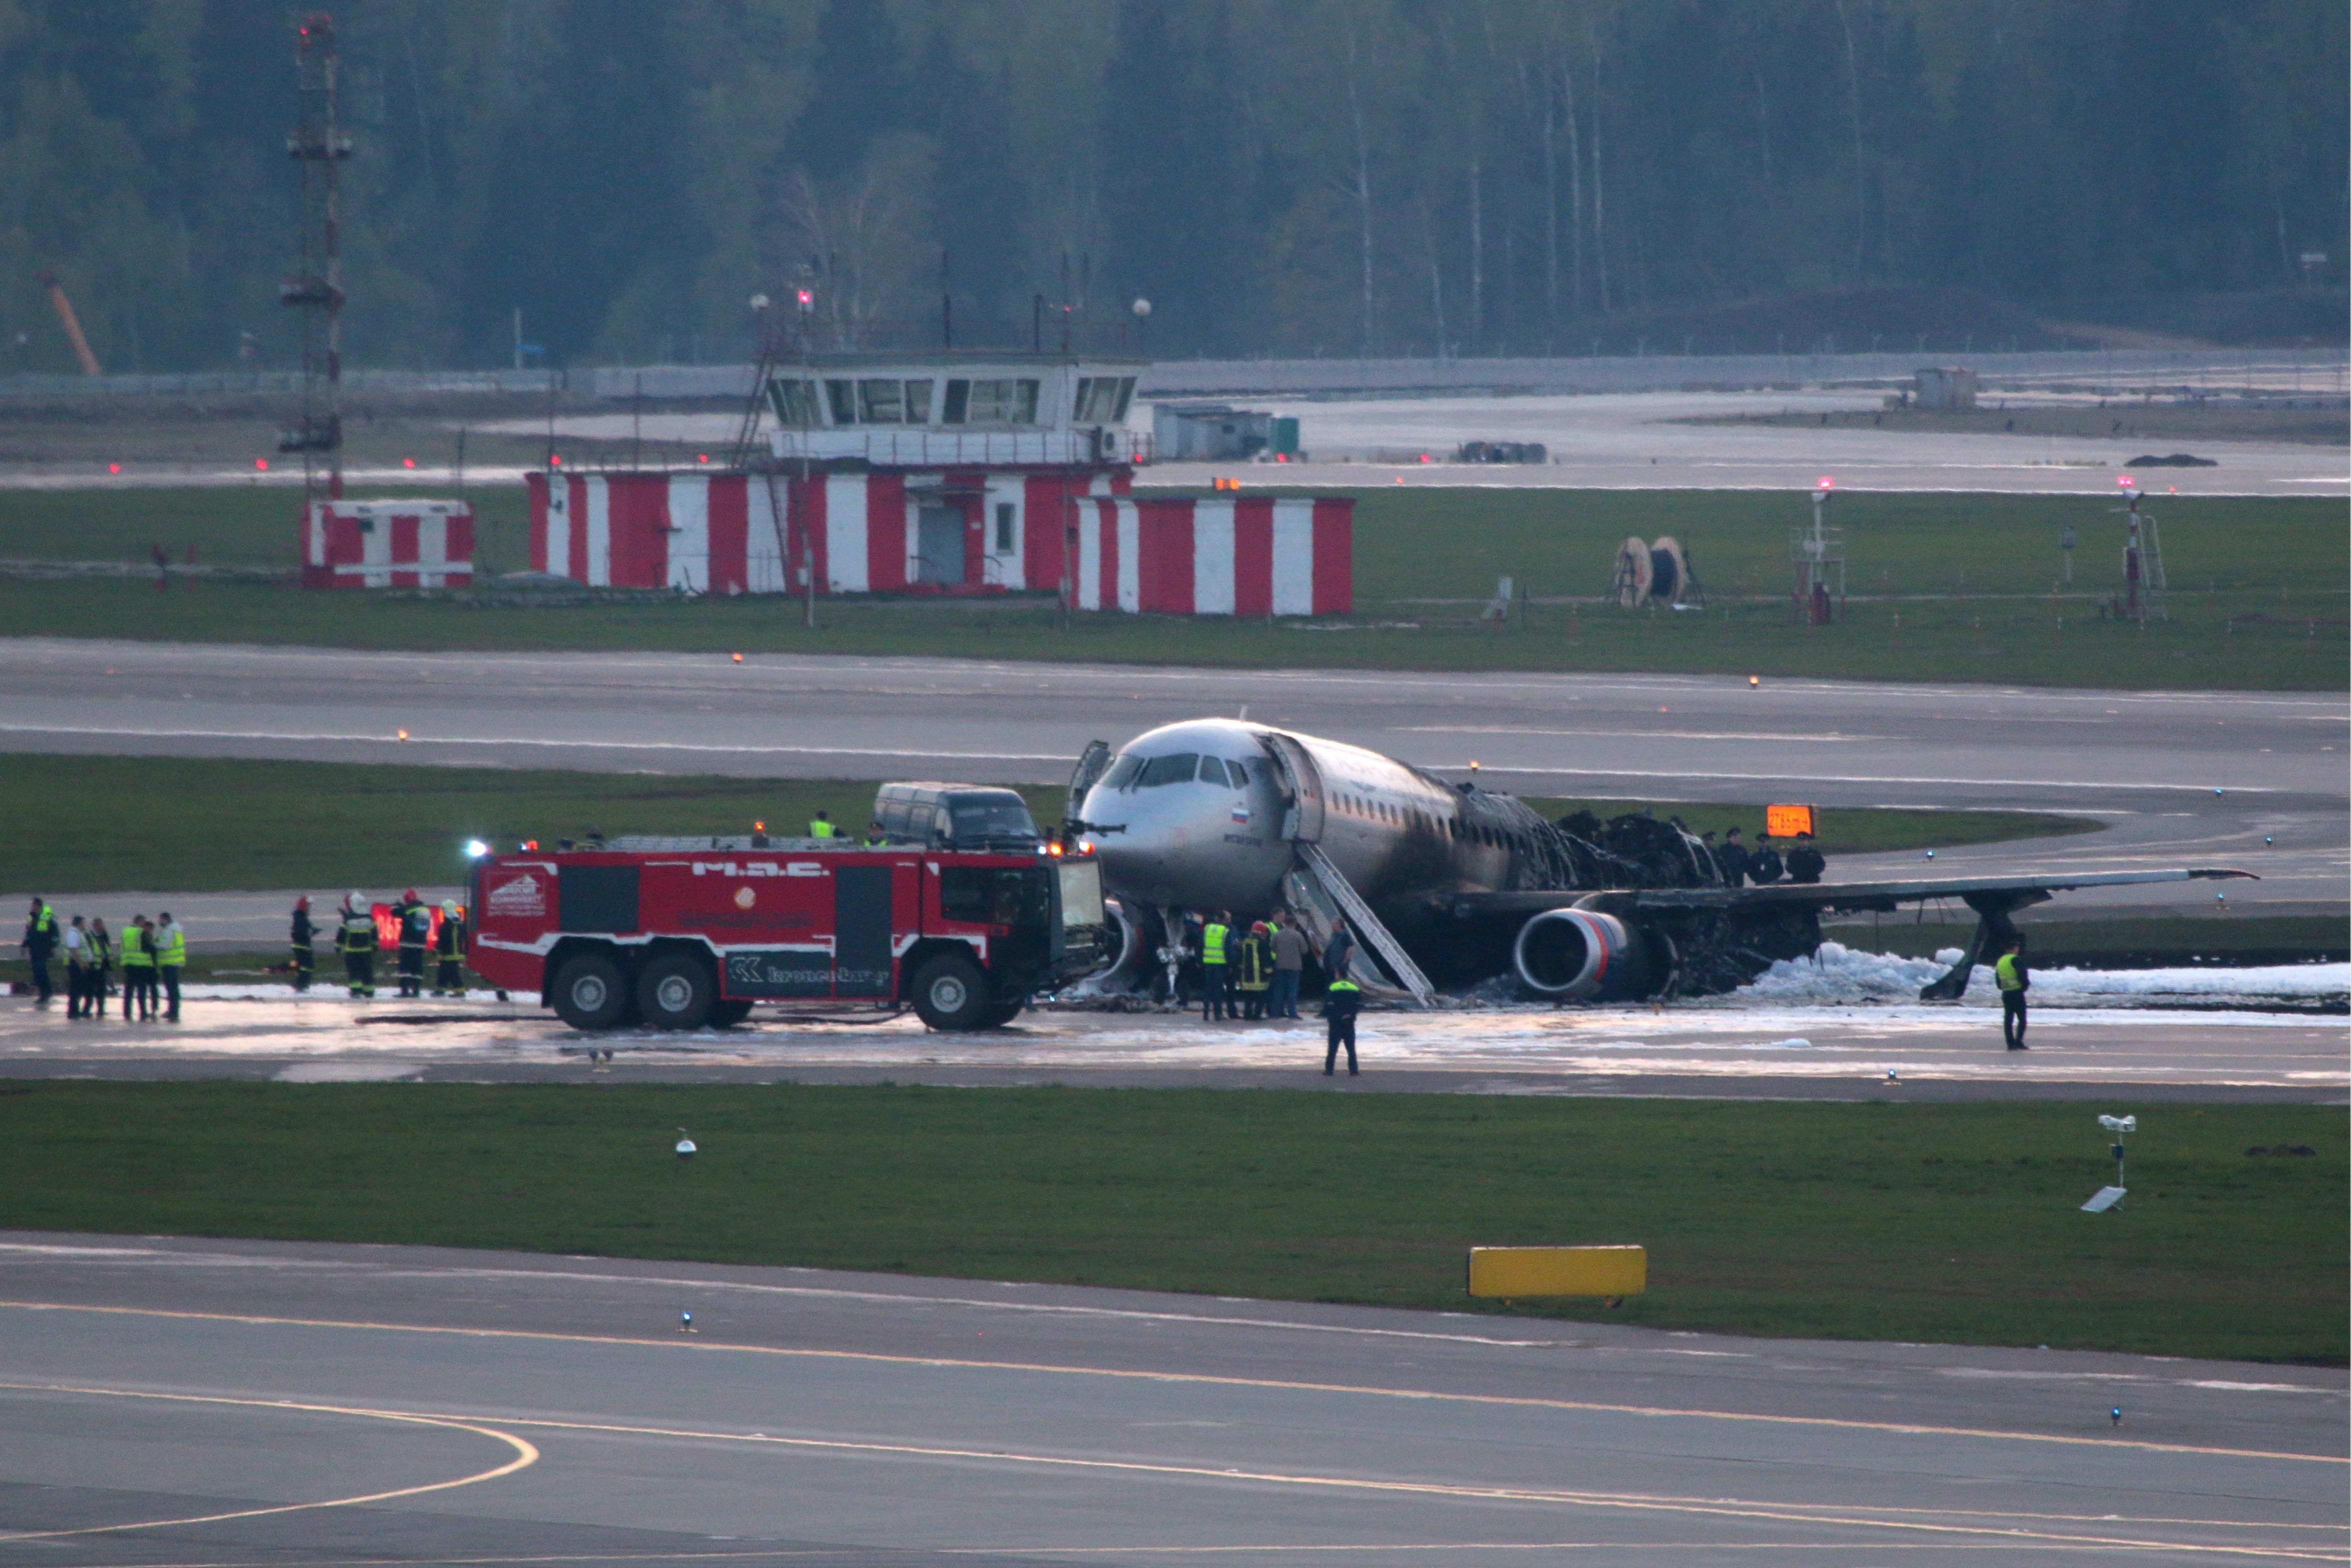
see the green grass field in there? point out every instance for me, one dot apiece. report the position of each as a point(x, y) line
point(1951, 1222)
point(120, 823)
point(1947, 588)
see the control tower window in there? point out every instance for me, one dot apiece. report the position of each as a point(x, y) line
point(1002, 402)
point(958, 402)
point(918, 402)
point(842, 396)
point(1101, 399)
point(880, 402)
point(795, 404)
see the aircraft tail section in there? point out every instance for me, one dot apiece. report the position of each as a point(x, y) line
point(1321, 894)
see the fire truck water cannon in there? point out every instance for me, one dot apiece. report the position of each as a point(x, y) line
point(692, 932)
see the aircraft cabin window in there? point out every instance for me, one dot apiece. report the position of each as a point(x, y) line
point(1212, 770)
point(1176, 769)
point(1121, 772)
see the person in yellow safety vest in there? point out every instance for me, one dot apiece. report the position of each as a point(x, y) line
point(40, 941)
point(355, 940)
point(2014, 981)
point(171, 956)
point(1341, 1002)
point(449, 951)
point(874, 835)
point(821, 827)
point(138, 970)
point(1215, 987)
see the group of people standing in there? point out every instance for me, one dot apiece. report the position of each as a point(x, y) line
point(1763, 864)
point(357, 940)
point(150, 953)
point(1253, 975)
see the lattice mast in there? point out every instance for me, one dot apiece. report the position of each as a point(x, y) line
point(2142, 566)
point(318, 147)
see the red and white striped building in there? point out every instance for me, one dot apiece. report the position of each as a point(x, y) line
point(948, 531)
point(388, 544)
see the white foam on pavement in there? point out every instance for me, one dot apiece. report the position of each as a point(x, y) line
point(1841, 974)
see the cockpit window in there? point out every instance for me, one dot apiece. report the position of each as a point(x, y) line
point(1121, 771)
point(1174, 769)
point(1239, 770)
point(1212, 770)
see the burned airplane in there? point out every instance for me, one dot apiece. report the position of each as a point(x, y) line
point(1446, 884)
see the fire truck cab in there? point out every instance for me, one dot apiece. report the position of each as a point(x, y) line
point(690, 932)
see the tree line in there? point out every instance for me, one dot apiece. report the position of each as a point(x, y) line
point(1334, 177)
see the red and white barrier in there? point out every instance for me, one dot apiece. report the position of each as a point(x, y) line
point(1228, 555)
point(388, 544)
point(949, 532)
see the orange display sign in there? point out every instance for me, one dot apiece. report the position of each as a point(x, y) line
point(1787, 822)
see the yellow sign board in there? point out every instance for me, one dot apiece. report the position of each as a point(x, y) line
point(1515, 1271)
point(1787, 822)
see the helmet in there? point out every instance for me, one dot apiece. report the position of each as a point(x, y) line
point(353, 901)
point(410, 896)
point(303, 902)
point(449, 907)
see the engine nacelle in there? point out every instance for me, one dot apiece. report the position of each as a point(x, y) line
point(1583, 955)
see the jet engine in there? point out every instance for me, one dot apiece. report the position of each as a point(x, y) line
point(1585, 956)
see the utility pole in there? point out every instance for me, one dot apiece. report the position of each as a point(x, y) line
point(318, 145)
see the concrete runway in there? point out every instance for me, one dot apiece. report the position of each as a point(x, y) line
point(1711, 1050)
point(226, 1403)
point(2184, 779)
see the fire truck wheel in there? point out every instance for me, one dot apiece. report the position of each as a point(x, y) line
point(591, 992)
point(728, 1011)
point(950, 993)
point(999, 1014)
point(676, 992)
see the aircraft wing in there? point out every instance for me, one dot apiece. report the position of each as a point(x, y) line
point(2021, 887)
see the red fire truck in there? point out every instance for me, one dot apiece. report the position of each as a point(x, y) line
point(688, 933)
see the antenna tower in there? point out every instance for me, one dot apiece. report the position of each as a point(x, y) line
point(315, 288)
point(2142, 567)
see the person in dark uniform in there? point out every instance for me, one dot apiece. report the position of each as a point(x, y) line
point(77, 944)
point(874, 833)
point(2014, 981)
point(1764, 868)
point(1806, 861)
point(102, 959)
point(1253, 975)
point(1338, 952)
point(355, 940)
point(1732, 858)
point(415, 934)
point(301, 936)
point(449, 949)
point(1341, 1003)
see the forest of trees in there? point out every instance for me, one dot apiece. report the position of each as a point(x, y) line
point(1322, 176)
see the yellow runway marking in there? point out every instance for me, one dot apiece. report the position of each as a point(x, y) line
point(525, 1454)
point(1205, 1379)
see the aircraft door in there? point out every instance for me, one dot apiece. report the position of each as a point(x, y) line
point(1091, 766)
point(1302, 782)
